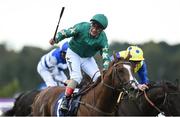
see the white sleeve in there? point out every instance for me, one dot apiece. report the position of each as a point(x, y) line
point(135, 83)
point(61, 43)
point(52, 60)
point(62, 66)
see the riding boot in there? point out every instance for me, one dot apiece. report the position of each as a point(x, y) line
point(68, 92)
point(65, 104)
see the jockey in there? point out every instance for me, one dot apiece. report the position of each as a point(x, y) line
point(52, 64)
point(138, 63)
point(88, 38)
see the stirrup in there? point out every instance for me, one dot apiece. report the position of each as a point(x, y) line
point(64, 109)
point(64, 105)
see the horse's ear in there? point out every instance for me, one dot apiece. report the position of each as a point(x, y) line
point(128, 56)
point(114, 55)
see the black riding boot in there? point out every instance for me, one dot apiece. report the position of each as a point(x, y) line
point(65, 104)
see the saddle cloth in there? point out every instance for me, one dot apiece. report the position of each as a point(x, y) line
point(73, 105)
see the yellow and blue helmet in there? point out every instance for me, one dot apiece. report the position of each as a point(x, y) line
point(136, 53)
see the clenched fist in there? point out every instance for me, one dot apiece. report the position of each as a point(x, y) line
point(52, 41)
point(142, 87)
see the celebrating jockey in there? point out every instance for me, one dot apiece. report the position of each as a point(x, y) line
point(52, 64)
point(87, 40)
point(138, 63)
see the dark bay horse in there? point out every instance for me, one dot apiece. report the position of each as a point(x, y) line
point(97, 99)
point(22, 105)
point(161, 97)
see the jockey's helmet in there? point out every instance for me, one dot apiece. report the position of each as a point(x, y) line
point(100, 19)
point(64, 47)
point(136, 53)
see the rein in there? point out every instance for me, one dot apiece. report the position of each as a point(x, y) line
point(166, 94)
point(94, 108)
point(151, 103)
point(91, 86)
point(122, 84)
point(123, 89)
point(89, 105)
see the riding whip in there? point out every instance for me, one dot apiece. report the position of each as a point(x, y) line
point(62, 10)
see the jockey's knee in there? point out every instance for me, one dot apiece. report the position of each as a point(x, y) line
point(95, 77)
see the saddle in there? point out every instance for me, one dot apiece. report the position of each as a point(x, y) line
point(75, 99)
point(73, 104)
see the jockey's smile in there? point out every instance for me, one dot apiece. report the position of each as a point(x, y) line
point(95, 29)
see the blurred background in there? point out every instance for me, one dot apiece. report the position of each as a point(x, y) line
point(18, 69)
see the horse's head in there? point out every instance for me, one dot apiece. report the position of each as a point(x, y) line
point(162, 96)
point(118, 74)
point(171, 102)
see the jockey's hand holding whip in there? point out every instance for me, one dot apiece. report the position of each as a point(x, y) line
point(53, 40)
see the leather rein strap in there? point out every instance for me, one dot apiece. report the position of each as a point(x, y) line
point(95, 108)
point(151, 103)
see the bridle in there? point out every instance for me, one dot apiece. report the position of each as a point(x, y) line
point(114, 75)
point(115, 71)
point(164, 102)
point(166, 99)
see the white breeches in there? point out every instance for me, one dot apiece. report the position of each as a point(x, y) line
point(53, 78)
point(76, 63)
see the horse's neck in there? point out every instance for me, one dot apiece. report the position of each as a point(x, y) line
point(103, 95)
point(110, 93)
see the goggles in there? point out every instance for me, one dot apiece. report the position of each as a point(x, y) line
point(97, 26)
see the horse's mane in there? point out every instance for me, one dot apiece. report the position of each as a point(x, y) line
point(172, 85)
point(164, 83)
